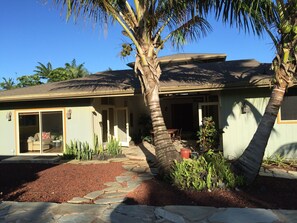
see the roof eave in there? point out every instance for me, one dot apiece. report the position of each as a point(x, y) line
point(59, 96)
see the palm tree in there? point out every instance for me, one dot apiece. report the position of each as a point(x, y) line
point(70, 71)
point(49, 74)
point(149, 24)
point(284, 65)
point(44, 71)
point(75, 71)
point(7, 84)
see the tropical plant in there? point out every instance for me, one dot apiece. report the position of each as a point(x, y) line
point(283, 33)
point(73, 70)
point(113, 147)
point(7, 84)
point(44, 71)
point(210, 170)
point(276, 160)
point(28, 80)
point(70, 71)
point(207, 135)
point(149, 25)
point(78, 150)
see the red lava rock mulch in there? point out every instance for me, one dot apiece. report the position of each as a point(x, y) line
point(54, 183)
point(60, 183)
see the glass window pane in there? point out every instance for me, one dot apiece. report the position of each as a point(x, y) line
point(28, 132)
point(288, 108)
point(52, 132)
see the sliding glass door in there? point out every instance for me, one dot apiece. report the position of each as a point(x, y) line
point(40, 132)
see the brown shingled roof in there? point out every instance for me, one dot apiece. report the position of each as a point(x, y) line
point(174, 78)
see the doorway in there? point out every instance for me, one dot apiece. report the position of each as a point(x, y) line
point(115, 124)
point(122, 126)
point(182, 116)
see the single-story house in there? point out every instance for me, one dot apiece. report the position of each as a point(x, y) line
point(43, 119)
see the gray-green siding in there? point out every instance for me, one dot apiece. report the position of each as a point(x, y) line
point(239, 128)
point(7, 134)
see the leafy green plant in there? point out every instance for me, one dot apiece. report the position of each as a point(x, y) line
point(78, 150)
point(277, 160)
point(207, 135)
point(82, 150)
point(148, 139)
point(96, 144)
point(113, 147)
point(210, 170)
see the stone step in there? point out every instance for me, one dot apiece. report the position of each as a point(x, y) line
point(110, 200)
point(94, 195)
point(113, 195)
point(79, 200)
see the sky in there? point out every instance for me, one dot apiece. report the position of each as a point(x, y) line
point(35, 31)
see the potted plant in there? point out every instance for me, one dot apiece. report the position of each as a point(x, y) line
point(185, 153)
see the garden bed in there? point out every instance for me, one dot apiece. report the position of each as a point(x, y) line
point(60, 183)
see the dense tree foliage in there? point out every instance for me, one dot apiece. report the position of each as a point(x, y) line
point(46, 73)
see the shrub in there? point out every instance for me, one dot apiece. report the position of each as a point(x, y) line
point(279, 161)
point(207, 135)
point(78, 150)
point(82, 151)
point(113, 147)
point(210, 170)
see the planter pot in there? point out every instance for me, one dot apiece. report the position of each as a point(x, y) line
point(185, 153)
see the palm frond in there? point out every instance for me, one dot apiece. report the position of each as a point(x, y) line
point(245, 14)
point(191, 30)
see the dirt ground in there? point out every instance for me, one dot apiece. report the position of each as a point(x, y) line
point(60, 183)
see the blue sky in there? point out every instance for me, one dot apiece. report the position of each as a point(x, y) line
point(33, 31)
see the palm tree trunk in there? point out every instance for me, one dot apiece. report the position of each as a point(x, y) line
point(166, 152)
point(249, 163)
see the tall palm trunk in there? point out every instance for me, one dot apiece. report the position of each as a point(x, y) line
point(166, 153)
point(249, 163)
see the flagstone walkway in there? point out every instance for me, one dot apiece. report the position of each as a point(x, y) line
point(136, 172)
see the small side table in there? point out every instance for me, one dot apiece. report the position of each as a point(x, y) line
point(57, 143)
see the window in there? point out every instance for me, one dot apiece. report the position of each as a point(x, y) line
point(287, 113)
point(28, 119)
point(40, 132)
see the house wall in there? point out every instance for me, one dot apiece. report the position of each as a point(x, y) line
point(7, 134)
point(239, 128)
point(80, 126)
